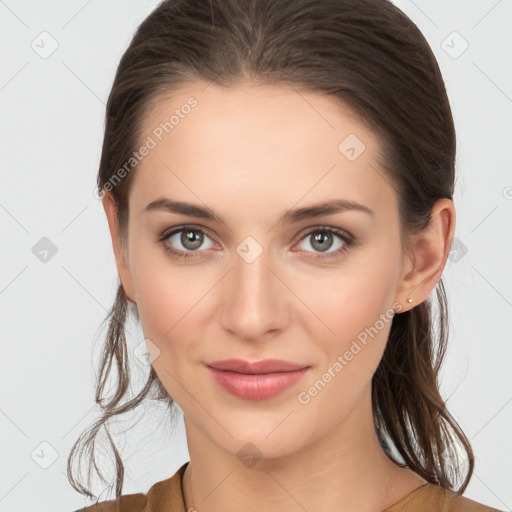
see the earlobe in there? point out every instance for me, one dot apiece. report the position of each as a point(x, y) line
point(429, 251)
point(120, 251)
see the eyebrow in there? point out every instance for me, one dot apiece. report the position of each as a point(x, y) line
point(289, 217)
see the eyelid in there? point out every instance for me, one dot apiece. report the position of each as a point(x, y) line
point(348, 239)
point(305, 232)
point(191, 227)
point(322, 227)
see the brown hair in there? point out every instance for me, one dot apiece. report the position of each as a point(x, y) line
point(363, 53)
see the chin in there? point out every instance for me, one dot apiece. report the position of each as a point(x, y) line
point(260, 440)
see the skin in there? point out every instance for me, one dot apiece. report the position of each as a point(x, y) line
point(250, 153)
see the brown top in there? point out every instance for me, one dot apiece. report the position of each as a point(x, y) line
point(167, 496)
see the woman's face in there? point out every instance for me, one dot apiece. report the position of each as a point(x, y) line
point(276, 278)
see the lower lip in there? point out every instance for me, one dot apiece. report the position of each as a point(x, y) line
point(257, 386)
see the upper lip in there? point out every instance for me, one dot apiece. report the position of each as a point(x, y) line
point(256, 367)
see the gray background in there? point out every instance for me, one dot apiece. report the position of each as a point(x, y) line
point(52, 304)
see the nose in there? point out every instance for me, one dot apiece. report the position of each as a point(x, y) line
point(255, 299)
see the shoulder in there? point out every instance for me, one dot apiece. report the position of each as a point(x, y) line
point(124, 503)
point(438, 499)
point(458, 503)
point(163, 496)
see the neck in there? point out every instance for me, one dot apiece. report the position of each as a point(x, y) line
point(346, 467)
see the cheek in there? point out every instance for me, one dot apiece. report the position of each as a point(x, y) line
point(349, 300)
point(358, 311)
point(170, 308)
point(169, 297)
point(353, 316)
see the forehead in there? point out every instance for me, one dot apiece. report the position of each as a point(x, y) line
point(261, 144)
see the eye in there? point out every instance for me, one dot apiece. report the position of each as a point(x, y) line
point(185, 242)
point(324, 238)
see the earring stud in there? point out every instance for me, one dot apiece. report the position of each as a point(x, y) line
point(409, 300)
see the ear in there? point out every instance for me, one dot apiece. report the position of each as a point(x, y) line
point(427, 256)
point(120, 250)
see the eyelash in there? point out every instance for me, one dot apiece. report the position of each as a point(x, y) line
point(347, 239)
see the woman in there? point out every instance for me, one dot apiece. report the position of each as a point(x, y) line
point(277, 177)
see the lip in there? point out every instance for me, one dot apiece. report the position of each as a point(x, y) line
point(256, 367)
point(256, 380)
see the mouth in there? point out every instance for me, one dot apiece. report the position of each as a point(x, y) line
point(258, 380)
